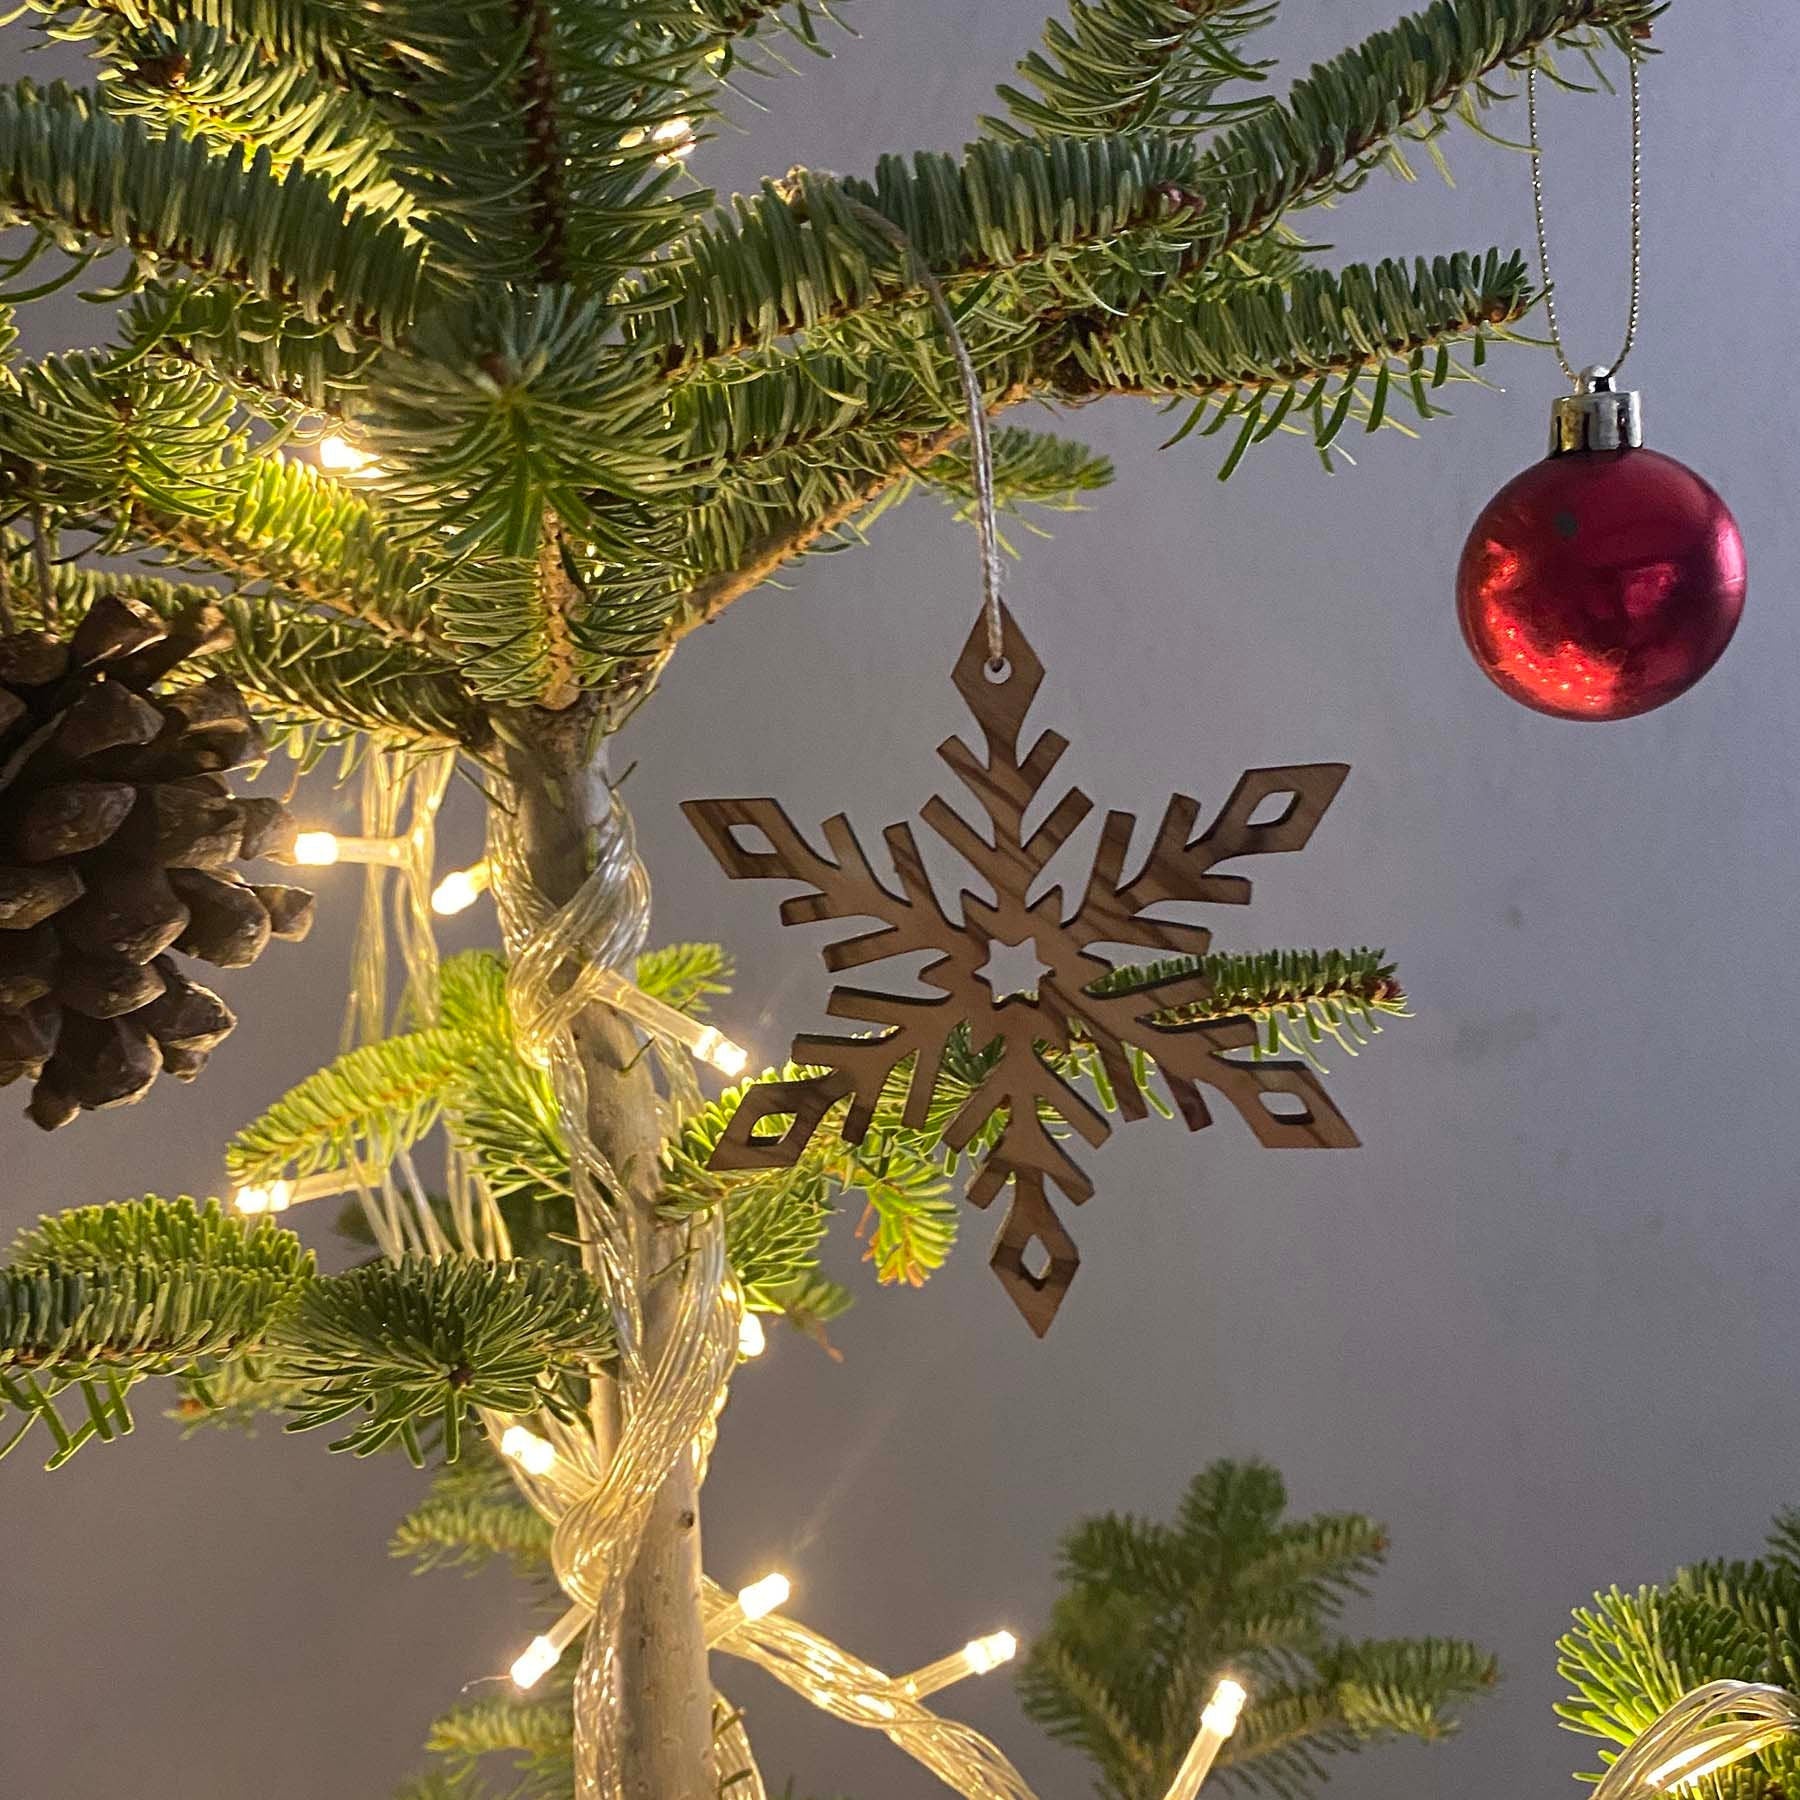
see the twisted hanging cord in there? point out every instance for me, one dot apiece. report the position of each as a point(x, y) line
point(981, 450)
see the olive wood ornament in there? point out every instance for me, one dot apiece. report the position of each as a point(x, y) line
point(988, 1053)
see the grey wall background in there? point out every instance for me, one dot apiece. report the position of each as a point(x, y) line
point(1542, 1323)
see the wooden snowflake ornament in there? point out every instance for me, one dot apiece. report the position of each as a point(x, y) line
point(1015, 1034)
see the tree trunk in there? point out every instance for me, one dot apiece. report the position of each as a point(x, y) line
point(665, 1728)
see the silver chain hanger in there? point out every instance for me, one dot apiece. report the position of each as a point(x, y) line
point(1582, 379)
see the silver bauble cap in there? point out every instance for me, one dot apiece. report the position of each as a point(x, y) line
point(1597, 416)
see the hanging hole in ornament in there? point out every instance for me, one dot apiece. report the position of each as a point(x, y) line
point(1274, 809)
point(997, 670)
point(1034, 1259)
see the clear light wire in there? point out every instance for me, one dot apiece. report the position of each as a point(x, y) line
point(1218, 1720)
point(859, 1694)
point(597, 1479)
point(1704, 1731)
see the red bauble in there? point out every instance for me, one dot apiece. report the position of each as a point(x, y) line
point(1601, 583)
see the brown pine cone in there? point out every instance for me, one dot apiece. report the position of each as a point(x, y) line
point(118, 838)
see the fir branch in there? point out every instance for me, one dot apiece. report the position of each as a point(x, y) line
point(538, 1730)
point(908, 1223)
point(1135, 65)
point(230, 1393)
point(797, 257)
point(326, 36)
point(510, 404)
point(685, 976)
point(1297, 998)
point(1350, 112)
point(809, 1302)
point(502, 1108)
point(544, 153)
point(784, 540)
point(457, 1526)
point(158, 452)
point(534, 1732)
point(189, 79)
point(1151, 1615)
point(1268, 356)
point(1406, 1687)
point(76, 176)
point(433, 1340)
point(1031, 468)
point(365, 1107)
point(268, 356)
point(331, 675)
point(472, 995)
point(158, 1233)
point(776, 1218)
point(517, 138)
point(801, 435)
point(100, 1297)
point(1631, 1656)
point(338, 676)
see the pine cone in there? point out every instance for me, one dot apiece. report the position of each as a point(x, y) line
point(117, 836)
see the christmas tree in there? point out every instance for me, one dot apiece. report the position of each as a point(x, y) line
point(1151, 1619)
point(1631, 1656)
point(571, 411)
point(1695, 1678)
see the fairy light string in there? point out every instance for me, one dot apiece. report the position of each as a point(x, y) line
point(597, 1479)
point(1706, 1730)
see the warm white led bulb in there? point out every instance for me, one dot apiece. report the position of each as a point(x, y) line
point(985, 1654)
point(533, 1454)
point(317, 849)
point(1222, 1710)
point(678, 134)
point(278, 1196)
point(761, 1598)
point(459, 890)
point(338, 456)
point(536, 1661)
point(752, 1339)
point(713, 1046)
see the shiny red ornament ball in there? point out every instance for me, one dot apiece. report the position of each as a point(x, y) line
point(1601, 583)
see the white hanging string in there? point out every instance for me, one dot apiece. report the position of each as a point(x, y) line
point(981, 449)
